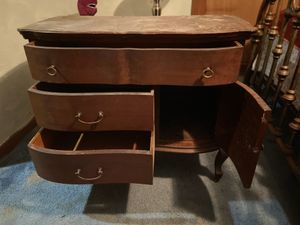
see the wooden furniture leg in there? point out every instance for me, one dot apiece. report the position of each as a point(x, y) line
point(220, 159)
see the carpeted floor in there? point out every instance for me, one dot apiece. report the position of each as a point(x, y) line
point(183, 193)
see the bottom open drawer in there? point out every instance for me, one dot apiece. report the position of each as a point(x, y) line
point(94, 157)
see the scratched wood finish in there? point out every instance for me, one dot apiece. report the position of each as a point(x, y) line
point(140, 51)
point(135, 66)
point(112, 29)
point(122, 165)
point(121, 110)
point(240, 128)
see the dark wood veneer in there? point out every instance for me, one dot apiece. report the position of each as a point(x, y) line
point(142, 66)
point(128, 160)
point(141, 84)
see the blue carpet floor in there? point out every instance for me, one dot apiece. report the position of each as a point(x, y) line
point(183, 193)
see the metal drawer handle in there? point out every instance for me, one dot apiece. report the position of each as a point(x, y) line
point(99, 172)
point(208, 73)
point(99, 119)
point(51, 70)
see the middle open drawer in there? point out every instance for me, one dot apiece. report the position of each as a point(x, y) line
point(74, 107)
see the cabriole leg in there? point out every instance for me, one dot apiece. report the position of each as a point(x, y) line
point(220, 159)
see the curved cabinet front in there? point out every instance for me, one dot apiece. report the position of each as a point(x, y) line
point(93, 157)
point(144, 66)
point(91, 108)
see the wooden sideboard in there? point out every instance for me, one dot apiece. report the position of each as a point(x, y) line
point(112, 91)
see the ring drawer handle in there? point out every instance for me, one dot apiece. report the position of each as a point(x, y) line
point(51, 70)
point(208, 73)
point(99, 119)
point(99, 172)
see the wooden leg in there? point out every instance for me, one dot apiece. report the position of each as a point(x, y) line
point(220, 159)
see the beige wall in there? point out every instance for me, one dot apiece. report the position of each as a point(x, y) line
point(15, 109)
point(143, 7)
point(19, 13)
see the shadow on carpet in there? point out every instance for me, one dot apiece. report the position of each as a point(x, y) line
point(183, 193)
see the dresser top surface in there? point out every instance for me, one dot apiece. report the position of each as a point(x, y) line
point(205, 26)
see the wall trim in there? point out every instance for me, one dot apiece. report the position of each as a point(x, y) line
point(14, 139)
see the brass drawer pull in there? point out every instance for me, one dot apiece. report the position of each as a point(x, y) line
point(51, 70)
point(208, 73)
point(99, 172)
point(99, 119)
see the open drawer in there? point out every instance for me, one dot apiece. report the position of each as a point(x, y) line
point(94, 157)
point(200, 66)
point(76, 107)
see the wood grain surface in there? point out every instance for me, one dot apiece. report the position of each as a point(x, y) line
point(122, 165)
point(148, 66)
point(113, 29)
point(121, 110)
point(205, 24)
point(240, 128)
point(78, 56)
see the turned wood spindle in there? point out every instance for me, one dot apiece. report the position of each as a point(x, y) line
point(290, 95)
point(278, 50)
point(256, 38)
point(266, 23)
point(156, 10)
point(283, 71)
point(262, 11)
point(260, 35)
point(295, 128)
point(273, 32)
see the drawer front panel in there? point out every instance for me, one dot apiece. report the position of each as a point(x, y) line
point(92, 166)
point(203, 66)
point(93, 111)
point(95, 168)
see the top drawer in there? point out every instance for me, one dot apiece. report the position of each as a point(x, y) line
point(146, 66)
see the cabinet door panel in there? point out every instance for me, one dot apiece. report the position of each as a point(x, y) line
point(240, 128)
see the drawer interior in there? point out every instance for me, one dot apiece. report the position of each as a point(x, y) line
point(91, 88)
point(116, 140)
point(106, 140)
point(131, 43)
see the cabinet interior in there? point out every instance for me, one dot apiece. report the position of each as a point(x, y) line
point(186, 118)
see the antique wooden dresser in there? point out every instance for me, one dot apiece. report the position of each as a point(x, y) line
point(112, 91)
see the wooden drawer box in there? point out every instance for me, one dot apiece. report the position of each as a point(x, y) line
point(92, 108)
point(94, 157)
point(149, 66)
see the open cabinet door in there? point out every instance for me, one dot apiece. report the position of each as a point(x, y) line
point(240, 128)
